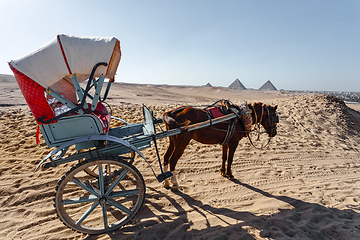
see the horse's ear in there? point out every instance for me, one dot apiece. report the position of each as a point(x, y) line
point(275, 108)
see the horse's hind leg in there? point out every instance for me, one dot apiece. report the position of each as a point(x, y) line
point(224, 158)
point(169, 152)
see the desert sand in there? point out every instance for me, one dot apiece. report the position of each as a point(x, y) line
point(305, 185)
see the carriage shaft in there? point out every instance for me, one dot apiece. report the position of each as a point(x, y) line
point(195, 126)
point(140, 142)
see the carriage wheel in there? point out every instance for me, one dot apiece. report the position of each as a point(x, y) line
point(94, 172)
point(105, 203)
point(258, 137)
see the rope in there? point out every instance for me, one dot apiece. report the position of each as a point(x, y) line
point(63, 53)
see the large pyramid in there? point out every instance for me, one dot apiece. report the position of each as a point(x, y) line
point(237, 85)
point(268, 86)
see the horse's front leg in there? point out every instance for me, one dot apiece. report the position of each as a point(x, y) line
point(232, 148)
point(173, 179)
point(179, 142)
point(224, 158)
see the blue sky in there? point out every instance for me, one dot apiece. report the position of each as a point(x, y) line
point(297, 44)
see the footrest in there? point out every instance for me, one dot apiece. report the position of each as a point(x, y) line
point(164, 176)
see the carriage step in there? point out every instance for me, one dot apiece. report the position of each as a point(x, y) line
point(163, 176)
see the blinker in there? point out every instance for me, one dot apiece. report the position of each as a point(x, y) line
point(275, 118)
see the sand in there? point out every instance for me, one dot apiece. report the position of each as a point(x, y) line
point(306, 185)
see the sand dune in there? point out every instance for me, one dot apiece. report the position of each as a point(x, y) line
point(306, 185)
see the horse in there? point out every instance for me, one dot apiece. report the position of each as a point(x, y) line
point(215, 134)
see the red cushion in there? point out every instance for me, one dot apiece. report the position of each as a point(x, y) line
point(215, 111)
point(103, 115)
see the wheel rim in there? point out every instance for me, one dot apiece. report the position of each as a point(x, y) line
point(99, 204)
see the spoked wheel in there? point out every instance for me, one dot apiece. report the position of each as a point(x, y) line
point(94, 171)
point(96, 205)
point(258, 137)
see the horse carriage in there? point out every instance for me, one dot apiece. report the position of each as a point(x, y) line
point(63, 85)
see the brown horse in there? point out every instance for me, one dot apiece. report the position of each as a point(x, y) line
point(261, 114)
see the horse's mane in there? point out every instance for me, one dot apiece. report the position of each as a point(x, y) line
point(169, 120)
point(252, 105)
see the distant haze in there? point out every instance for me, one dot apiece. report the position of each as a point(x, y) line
point(297, 45)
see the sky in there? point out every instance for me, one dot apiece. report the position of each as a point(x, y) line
point(296, 44)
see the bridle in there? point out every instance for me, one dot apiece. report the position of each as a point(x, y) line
point(272, 118)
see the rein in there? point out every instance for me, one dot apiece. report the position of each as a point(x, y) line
point(257, 124)
point(257, 127)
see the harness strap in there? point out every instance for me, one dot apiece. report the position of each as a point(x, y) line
point(231, 127)
point(256, 123)
point(230, 132)
point(255, 114)
point(209, 115)
point(232, 122)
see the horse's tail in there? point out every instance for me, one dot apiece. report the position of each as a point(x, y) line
point(169, 120)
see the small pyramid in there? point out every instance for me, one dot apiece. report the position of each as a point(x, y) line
point(268, 86)
point(237, 85)
point(208, 85)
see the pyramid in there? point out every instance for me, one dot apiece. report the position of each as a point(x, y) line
point(208, 85)
point(237, 85)
point(268, 86)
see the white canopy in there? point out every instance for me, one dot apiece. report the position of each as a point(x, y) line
point(47, 65)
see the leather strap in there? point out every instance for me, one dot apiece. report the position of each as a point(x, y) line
point(230, 131)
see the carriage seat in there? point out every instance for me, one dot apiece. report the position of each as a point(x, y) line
point(66, 128)
point(76, 125)
point(67, 90)
point(73, 125)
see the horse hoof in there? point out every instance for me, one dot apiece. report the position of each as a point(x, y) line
point(166, 185)
point(230, 176)
point(227, 175)
point(175, 189)
point(175, 186)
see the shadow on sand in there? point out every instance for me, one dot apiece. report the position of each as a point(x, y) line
point(304, 221)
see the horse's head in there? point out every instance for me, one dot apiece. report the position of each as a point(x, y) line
point(273, 119)
point(266, 116)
